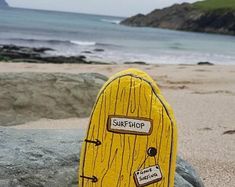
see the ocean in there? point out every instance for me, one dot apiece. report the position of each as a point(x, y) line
point(73, 34)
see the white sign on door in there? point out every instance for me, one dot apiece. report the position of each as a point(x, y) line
point(148, 176)
point(128, 125)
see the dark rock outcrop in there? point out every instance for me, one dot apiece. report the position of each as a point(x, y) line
point(205, 63)
point(50, 158)
point(136, 62)
point(188, 18)
point(15, 53)
point(3, 4)
point(30, 96)
point(99, 50)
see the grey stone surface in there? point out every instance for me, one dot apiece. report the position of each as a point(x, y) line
point(35, 158)
point(50, 158)
point(186, 175)
point(30, 96)
point(181, 182)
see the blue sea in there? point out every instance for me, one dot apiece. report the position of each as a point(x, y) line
point(73, 33)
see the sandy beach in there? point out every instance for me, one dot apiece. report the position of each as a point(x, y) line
point(203, 99)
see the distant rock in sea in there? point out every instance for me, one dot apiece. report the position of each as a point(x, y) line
point(3, 4)
point(202, 16)
point(15, 53)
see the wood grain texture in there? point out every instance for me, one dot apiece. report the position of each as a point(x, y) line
point(130, 93)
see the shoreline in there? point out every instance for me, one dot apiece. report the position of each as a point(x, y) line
point(47, 55)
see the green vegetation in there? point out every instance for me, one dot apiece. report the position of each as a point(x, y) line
point(215, 4)
point(3, 58)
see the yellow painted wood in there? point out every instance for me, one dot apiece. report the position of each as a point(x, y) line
point(130, 93)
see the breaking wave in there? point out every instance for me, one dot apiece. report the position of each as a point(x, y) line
point(111, 21)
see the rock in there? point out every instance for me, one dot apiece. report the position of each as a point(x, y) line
point(188, 17)
point(64, 59)
point(20, 52)
point(137, 21)
point(136, 62)
point(50, 158)
point(42, 49)
point(10, 47)
point(87, 52)
point(82, 57)
point(3, 4)
point(188, 175)
point(37, 55)
point(26, 60)
point(30, 96)
point(205, 63)
point(45, 158)
point(181, 182)
point(99, 50)
point(100, 62)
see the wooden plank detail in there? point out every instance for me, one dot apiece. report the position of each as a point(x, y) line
point(132, 95)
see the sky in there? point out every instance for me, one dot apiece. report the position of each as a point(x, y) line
point(103, 7)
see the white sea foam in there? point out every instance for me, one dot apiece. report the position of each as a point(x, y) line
point(120, 44)
point(83, 43)
point(111, 21)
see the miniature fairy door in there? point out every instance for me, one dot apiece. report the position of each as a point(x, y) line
point(132, 135)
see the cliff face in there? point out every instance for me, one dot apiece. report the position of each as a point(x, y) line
point(187, 17)
point(3, 4)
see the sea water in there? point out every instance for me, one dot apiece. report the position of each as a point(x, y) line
point(73, 34)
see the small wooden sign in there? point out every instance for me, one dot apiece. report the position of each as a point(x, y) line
point(130, 125)
point(148, 176)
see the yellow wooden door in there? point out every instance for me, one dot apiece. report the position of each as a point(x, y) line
point(142, 122)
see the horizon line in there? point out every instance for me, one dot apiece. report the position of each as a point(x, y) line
point(64, 11)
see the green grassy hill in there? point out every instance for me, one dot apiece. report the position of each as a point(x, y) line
point(211, 16)
point(215, 4)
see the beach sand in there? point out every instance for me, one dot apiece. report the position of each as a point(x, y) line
point(203, 99)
